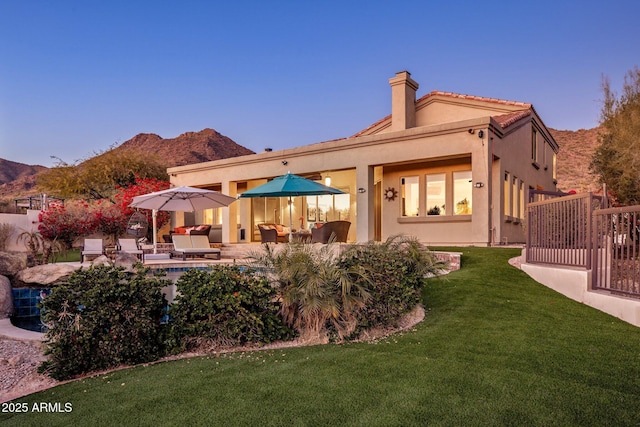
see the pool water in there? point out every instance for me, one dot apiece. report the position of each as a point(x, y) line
point(30, 323)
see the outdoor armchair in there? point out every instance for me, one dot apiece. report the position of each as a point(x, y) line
point(91, 247)
point(339, 229)
point(130, 246)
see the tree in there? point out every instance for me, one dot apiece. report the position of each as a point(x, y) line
point(616, 161)
point(67, 222)
point(75, 218)
point(99, 176)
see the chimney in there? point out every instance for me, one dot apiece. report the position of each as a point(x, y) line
point(403, 101)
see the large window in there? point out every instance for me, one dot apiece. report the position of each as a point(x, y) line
point(213, 216)
point(328, 207)
point(462, 190)
point(410, 189)
point(436, 194)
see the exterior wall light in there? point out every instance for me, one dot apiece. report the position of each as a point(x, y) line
point(362, 190)
point(479, 184)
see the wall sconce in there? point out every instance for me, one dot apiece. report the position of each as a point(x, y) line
point(285, 163)
point(362, 190)
point(327, 181)
point(480, 134)
point(479, 184)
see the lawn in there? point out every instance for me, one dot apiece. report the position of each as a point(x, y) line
point(495, 348)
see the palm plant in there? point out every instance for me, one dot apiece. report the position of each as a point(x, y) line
point(39, 248)
point(315, 294)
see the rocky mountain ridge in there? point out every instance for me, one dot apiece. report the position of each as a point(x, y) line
point(18, 179)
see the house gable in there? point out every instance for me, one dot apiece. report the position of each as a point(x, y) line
point(439, 107)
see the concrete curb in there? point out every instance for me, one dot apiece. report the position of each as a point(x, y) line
point(8, 331)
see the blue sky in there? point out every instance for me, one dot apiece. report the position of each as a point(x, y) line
point(78, 76)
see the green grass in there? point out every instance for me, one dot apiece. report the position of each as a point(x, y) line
point(71, 255)
point(495, 348)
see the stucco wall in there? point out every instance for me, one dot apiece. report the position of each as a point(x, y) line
point(574, 283)
point(21, 222)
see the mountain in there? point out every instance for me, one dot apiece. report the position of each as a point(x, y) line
point(188, 148)
point(576, 149)
point(11, 171)
point(18, 179)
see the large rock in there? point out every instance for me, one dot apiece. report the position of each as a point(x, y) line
point(45, 274)
point(6, 298)
point(12, 262)
point(126, 260)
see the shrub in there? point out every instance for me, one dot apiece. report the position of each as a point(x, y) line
point(224, 307)
point(6, 231)
point(394, 273)
point(101, 318)
point(317, 294)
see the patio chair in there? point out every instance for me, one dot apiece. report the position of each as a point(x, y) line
point(130, 246)
point(338, 229)
point(187, 245)
point(92, 247)
point(273, 233)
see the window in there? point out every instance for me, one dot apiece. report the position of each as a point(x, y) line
point(534, 145)
point(212, 216)
point(410, 190)
point(554, 166)
point(522, 213)
point(462, 190)
point(507, 193)
point(436, 194)
point(514, 197)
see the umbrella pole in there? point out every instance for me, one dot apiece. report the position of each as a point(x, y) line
point(154, 214)
point(290, 221)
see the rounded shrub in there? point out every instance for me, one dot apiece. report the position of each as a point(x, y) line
point(103, 317)
point(393, 273)
point(224, 307)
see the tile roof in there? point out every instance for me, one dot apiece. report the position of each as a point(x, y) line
point(474, 98)
point(504, 120)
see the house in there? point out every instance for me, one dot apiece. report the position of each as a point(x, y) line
point(446, 168)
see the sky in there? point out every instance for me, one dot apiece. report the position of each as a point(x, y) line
point(78, 77)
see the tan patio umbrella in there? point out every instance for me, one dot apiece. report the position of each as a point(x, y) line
point(184, 199)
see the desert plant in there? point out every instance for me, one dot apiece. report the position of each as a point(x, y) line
point(101, 318)
point(395, 272)
point(224, 307)
point(314, 291)
point(40, 249)
point(6, 231)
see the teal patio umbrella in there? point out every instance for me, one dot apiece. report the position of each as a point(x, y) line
point(290, 185)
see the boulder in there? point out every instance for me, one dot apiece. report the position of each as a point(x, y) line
point(45, 274)
point(126, 260)
point(12, 262)
point(101, 260)
point(6, 298)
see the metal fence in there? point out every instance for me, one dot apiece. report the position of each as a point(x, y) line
point(616, 250)
point(559, 231)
